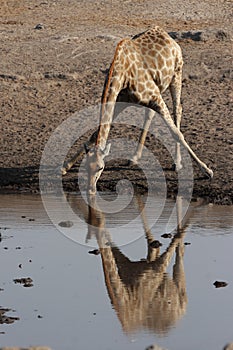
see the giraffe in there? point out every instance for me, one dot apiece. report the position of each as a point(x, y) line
point(142, 293)
point(142, 69)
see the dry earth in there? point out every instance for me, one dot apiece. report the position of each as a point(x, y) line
point(54, 56)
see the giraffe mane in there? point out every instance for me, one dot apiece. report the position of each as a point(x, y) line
point(110, 73)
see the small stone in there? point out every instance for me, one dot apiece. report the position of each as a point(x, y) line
point(167, 235)
point(155, 244)
point(66, 224)
point(193, 76)
point(94, 252)
point(39, 26)
point(25, 281)
point(220, 284)
point(6, 319)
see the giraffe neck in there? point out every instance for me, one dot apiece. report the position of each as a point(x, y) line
point(116, 288)
point(107, 111)
point(113, 86)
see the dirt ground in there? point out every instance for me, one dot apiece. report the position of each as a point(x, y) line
point(54, 56)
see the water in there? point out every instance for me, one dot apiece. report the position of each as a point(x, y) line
point(83, 301)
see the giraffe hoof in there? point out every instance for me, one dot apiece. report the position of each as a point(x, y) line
point(63, 171)
point(176, 167)
point(132, 162)
point(210, 174)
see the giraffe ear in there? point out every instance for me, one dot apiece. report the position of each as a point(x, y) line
point(106, 150)
point(87, 149)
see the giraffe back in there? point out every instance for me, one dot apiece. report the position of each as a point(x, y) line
point(160, 56)
point(140, 64)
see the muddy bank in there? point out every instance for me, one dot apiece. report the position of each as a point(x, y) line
point(53, 62)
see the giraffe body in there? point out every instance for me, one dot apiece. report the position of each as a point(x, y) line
point(147, 60)
point(143, 67)
point(142, 293)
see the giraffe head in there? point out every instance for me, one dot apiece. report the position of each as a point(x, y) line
point(95, 165)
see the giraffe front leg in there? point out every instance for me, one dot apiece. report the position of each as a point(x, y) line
point(149, 114)
point(68, 165)
point(175, 90)
point(178, 164)
point(177, 116)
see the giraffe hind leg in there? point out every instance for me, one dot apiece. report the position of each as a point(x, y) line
point(175, 90)
point(68, 165)
point(158, 102)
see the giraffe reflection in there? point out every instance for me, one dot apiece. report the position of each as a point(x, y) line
point(142, 293)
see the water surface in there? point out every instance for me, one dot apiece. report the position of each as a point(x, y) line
point(130, 295)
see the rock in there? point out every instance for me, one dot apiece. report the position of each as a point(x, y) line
point(39, 26)
point(155, 244)
point(94, 252)
point(222, 35)
point(6, 319)
point(192, 35)
point(167, 235)
point(25, 281)
point(201, 35)
point(66, 224)
point(220, 284)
